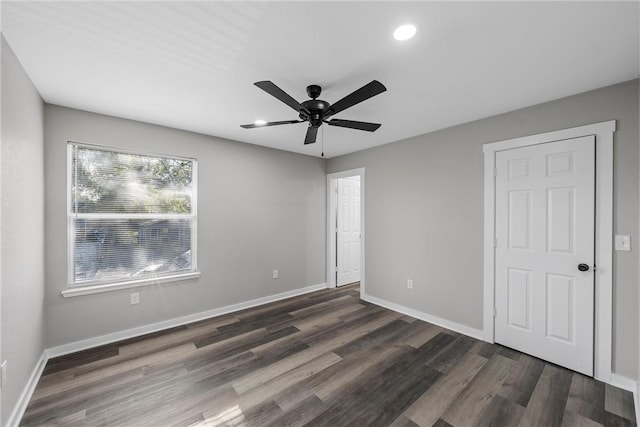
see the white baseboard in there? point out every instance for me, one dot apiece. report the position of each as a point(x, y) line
point(622, 382)
point(25, 396)
point(448, 324)
point(629, 385)
point(171, 323)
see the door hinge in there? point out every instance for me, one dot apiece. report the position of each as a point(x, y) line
point(495, 242)
point(495, 172)
point(495, 312)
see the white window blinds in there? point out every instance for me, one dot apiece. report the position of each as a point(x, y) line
point(131, 216)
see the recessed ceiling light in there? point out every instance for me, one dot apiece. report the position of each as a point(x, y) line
point(260, 122)
point(404, 32)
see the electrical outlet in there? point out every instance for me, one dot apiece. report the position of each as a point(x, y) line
point(409, 284)
point(3, 367)
point(275, 274)
point(135, 298)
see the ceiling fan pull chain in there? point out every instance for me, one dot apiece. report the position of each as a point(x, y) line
point(322, 154)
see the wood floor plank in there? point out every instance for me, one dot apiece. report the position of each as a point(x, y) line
point(441, 423)
point(54, 406)
point(136, 348)
point(70, 361)
point(403, 421)
point(360, 401)
point(243, 328)
point(273, 387)
point(402, 388)
point(169, 408)
point(323, 358)
point(448, 358)
point(263, 414)
point(373, 400)
point(176, 337)
point(473, 400)
point(548, 401)
point(571, 418)
point(619, 402)
point(227, 348)
point(97, 377)
point(424, 334)
point(298, 337)
point(386, 332)
point(369, 321)
point(147, 395)
point(501, 412)
point(519, 385)
point(586, 399)
point(484, 349)
point(614, 420)
point(324, 307)
point(301, 414)
point(328, 318)
point(330, 381)
point(427, 409)
point(326, 343)
point(255, 366)
point(353, 290)
point(508, 352)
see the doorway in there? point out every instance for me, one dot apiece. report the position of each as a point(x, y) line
point(345, 228)
point(348, 231)
point(509, 293)
point(544, 256)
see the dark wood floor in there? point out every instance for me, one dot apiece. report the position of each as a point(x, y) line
point(322, 359)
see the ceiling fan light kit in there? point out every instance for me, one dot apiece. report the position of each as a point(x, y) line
point(404, 32)
point(316, 111)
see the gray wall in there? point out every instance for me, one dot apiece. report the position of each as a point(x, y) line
point(21, 228)
point(259, 209)
point(424, 210)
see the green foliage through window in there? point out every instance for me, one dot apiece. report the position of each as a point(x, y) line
point(112, 182)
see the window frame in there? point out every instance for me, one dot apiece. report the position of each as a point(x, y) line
point(75, 289)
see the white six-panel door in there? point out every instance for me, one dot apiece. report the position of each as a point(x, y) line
point(544, 231)
point(348, 230)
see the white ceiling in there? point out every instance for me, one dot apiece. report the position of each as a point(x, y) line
point(191, 65)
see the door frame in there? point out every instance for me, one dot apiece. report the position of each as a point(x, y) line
point(603, 303)
point(332, 205)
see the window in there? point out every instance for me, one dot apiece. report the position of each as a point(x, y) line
point(132, 218)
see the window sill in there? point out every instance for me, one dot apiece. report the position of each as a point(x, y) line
point(96, 289)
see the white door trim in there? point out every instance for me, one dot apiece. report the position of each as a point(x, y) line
point(604, 233)
point(332, 181)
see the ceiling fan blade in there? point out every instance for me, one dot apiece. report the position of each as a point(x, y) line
point(283, 96)
point(365, 92)
point(371, 127)
point(284, 122)
point(312, 131)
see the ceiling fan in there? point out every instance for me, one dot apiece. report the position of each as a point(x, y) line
point(316, 111)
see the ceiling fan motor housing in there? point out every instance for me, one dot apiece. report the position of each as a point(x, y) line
point(315, 107)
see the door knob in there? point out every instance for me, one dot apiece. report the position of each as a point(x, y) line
point(583, 267)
